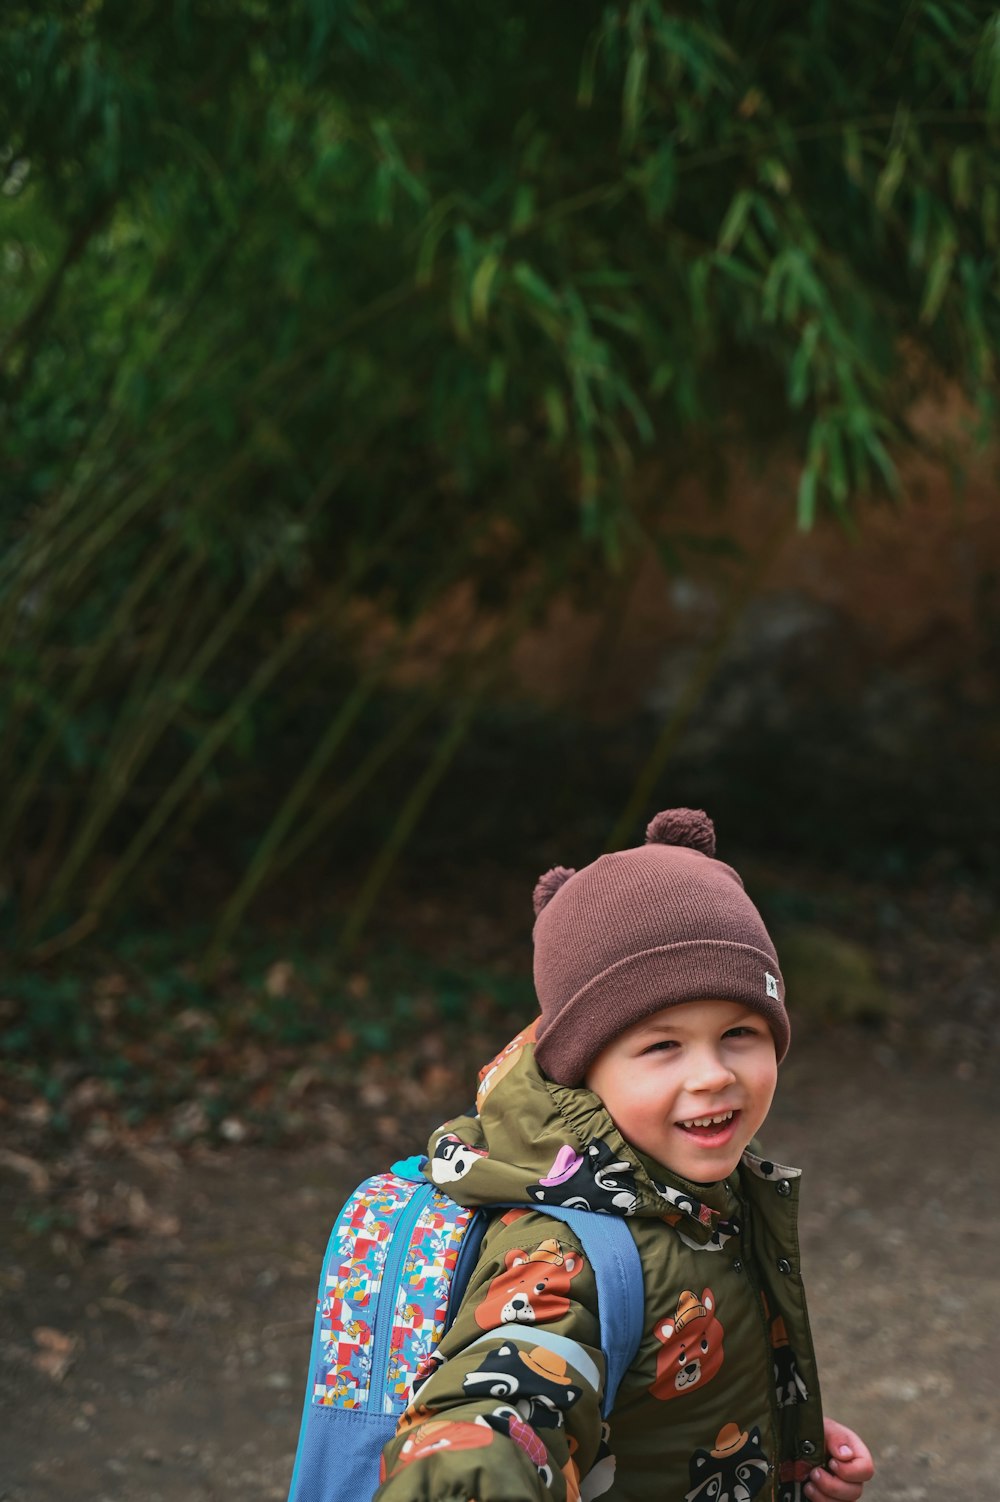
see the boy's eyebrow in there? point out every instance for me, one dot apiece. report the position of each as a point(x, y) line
point(660, 1025)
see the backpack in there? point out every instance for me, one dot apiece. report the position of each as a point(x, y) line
point(397, 1264)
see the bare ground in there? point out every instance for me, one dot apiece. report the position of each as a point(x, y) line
point(170, 1364)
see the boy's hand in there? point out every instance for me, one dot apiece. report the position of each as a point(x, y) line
point(843, 1477)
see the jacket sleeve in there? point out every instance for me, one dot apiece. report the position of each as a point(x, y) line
point(509, 1407)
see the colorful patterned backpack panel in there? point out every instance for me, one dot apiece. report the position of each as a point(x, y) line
point(389, 1234)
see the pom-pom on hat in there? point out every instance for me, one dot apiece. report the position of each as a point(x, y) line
point(644, 929)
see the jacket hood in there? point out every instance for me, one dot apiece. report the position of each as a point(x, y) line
point(533, 1142)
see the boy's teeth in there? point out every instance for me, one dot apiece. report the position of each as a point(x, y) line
point(703, 1121)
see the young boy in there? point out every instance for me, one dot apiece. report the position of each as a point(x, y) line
point(636, 1093)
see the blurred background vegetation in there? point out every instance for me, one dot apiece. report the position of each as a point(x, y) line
point(354, 353)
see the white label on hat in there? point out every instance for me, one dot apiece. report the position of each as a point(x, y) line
point(772, 984)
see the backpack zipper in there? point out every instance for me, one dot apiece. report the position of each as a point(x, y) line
point(399, 1245)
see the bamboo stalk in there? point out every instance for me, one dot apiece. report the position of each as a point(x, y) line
point(208, 745)
point(27, 331)
point(65, 939)
point(75, 539)
point(168, 646)
point(260, 866)
point(420, 796)
point(232, 717)
point(320, 819)
point(25, 787)
point(78, 548)
point(78, 545)
point(97, 447)
point(406, 822)
point(34, 869)
point(157, 715)
point(49, 519)
point(323, 752)
point(127, 750)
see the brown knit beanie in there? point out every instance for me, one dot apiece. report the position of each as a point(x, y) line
point(644, 929)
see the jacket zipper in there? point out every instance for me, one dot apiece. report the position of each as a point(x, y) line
point(746, 1221)
point(399, 1245)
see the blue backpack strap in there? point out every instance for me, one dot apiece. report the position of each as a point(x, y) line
point(610, 1248)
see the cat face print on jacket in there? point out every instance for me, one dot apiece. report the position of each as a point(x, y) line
point(533, 1380)
point(734, 1470)
point(533, 1288)
point(453, 1158)
point(692, 1346)
point(592, 1180)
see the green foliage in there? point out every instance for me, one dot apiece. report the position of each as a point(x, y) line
point(140, 1038)
point(316, 312)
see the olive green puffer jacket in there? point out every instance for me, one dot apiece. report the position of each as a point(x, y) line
point(722, 1401)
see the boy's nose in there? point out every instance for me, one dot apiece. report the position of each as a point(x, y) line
point(708, 1071)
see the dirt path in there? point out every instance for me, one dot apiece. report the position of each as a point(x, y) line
point(175, 1364)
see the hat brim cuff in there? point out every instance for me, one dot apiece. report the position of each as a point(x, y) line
point(641, 984)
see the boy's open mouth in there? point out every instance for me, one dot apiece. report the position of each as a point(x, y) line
point(710, 1128)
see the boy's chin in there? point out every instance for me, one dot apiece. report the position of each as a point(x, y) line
point(702, 1168)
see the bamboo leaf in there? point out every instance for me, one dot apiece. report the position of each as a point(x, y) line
point(535, 286)
point(836, 464)
point(496, 380)
point(960, 176)
point(853, 155)
point(588, 69)
point(736, 218)
point(986, 65)
point(800, 371)
point(889, 179)
point(523, 208)
point(737, 271)
point(938, 278)
point(633, 95)
point(482, 285)
point(555, 412)
point(884, 464)
point(807, 498)
point(659, 181)
point(435, 227)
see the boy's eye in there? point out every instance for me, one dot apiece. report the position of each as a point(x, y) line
point(741, 1032)
point(661, 1044)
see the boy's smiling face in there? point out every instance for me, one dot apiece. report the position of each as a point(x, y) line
point(664, 1078)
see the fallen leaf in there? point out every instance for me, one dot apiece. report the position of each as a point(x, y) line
point(114, 984)
point(154, 1319)
point(55, 1356)
point(279, 978)
point(192, 1020)
point(36, 1173)
point(304, 1077)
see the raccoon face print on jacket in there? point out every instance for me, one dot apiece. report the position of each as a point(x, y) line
point(592, 1180)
